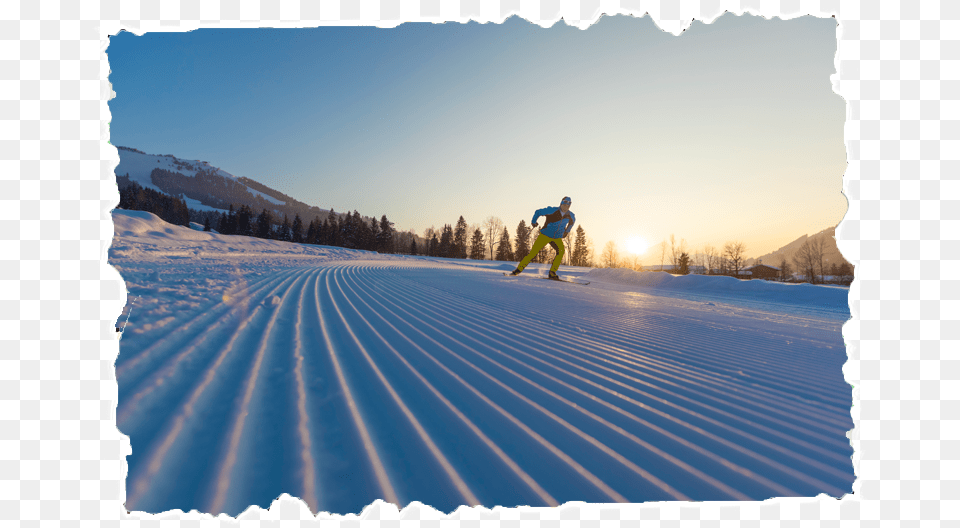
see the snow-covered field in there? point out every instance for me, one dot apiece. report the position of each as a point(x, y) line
point(250, 368)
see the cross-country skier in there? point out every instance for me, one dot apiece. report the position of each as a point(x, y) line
point(557, 225)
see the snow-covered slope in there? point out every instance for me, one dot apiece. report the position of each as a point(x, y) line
point(251, 368)
point(831, 255)
point(139, 166)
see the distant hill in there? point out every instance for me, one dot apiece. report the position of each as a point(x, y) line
point(206, 189)
point(832, 254)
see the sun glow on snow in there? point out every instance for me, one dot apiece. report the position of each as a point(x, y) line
point(636, 245)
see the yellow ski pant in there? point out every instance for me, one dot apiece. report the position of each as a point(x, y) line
point(541, 241)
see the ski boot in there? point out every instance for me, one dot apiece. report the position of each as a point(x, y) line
point(515, 272)
point(553, 276)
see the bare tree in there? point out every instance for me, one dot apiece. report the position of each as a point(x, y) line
point(785, 271)
point(492, 227)
point(806, 262)
point(663, 252)
point(429, 232)
point(845, 271)
point(710, 258)
point(817, 250)
point(673, 251)
point(699, 260)
point(610, 258)
point(735, 253)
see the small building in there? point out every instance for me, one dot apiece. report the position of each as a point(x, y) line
point(762, 271)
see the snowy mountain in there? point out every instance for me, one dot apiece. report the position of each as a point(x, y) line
point(250, 368)
point(205, 187)
point(832, 253)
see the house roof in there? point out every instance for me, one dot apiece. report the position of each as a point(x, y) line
point(762, 266)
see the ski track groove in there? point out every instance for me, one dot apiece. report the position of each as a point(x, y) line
point(732, 445)
point(217, 315)
point(596, 443)
point(652, 347)
point(628, 363)
point(792, 416)
point(223, 479)
point(619, 334)
point(309, 494)
point(686, 467)
point(724, 386)
point(383, 479)
point(770, 445)
point(170, 368)
point(141, 483)
point(526, 478)
point(656, 339)
point(448, 468)
point(790, 412)
point(593, 479)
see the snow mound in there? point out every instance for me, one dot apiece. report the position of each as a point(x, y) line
point(144, 224)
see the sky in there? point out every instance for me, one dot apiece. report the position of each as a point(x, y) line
point(729, 132)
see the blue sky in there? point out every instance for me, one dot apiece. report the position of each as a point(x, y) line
point(730, 131)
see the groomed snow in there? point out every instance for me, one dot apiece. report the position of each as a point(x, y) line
point(249, 368)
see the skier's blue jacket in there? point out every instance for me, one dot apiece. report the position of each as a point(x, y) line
point(556, 225)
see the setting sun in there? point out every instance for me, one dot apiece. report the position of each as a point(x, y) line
point(636, 245)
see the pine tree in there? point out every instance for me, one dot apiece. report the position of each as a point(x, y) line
point(333, 231)
point(311, 236)
point(265, 224)
point(460, 239)
point(243, 220)
point(477, 247)
point(579, 257)
point(413, 246)
point(683, 262)
point(523, 241)
point(323, 234)
point(446, 241)
point(374, 242)
point(232, 220)
point(206, 224)
point(284, 233)
point(296, 231)
point(434, 250)
point(362, 235)
point(350, 230)
point(385, 243)
point(504, 252)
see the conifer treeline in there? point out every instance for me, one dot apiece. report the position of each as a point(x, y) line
point(214, 190)
point(349, 230)
point(456, 242)
point(170, 209)
point(208, 188)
